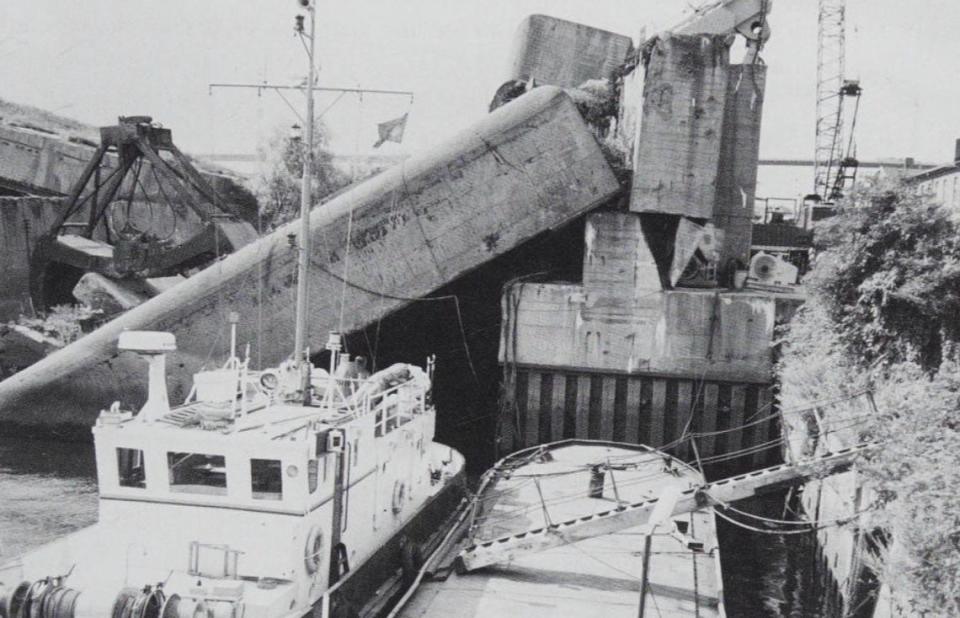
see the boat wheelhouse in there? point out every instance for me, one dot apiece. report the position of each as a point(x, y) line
point(260, 495)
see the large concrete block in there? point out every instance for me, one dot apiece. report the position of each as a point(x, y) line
point(107, 295)
point(700, 334)
point(677, 151)
point(566, 54)
point(40, 163)
point(530, 166)
point(618, 269)
point(739, 155)
point(553, 325)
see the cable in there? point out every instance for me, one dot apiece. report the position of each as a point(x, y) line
point(772, 520)
point(655, 456)
point(813, 528)
point(761, 530)
point(453, 297)
point(565, 498)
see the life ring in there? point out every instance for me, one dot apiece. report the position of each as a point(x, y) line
point(399, 494)
point(312, 550)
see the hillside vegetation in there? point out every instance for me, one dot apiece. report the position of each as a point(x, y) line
point(883, 314)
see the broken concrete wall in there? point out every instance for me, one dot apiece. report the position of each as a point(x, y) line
point(737, 181)
point(677, 152)
point(40, 163)
point(619, 269)
point(22, 221)
point(711, 334)
point(620, 319)
point(528, 167)
point(557, 52)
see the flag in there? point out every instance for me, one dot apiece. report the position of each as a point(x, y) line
point(391, 130)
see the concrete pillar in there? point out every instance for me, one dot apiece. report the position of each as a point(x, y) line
point(557, 52)
point(740, 151)
point(619, 267)
point(677, 152)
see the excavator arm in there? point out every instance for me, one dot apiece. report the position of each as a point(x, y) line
point(747, 18)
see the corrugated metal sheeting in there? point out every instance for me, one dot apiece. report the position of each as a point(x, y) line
point(543, 405)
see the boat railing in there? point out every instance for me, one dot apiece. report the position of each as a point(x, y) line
point(393, 406)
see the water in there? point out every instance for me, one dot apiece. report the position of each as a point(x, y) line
point(48, 489)
point(767, 574)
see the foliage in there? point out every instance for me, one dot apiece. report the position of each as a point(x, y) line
point(889, 276)
point(279, 180)
point(63, 323)
point(597, 101)
point(916, 476)
point(881, 314)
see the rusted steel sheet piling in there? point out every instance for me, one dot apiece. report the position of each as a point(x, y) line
point(529, 166)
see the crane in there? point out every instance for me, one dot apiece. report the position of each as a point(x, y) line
point(835, 164)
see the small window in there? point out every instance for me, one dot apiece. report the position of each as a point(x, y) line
point(266, 479)
point(197, 473)
point(313, 474)
point(130, 468)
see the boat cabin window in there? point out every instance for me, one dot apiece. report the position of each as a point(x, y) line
point(198, 473)
point(130, 468)
point(313, 475)
point(266, 479)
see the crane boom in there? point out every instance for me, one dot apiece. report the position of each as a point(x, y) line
point(745, 17)
point(835, 166)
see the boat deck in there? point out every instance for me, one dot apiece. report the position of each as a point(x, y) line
point(599, 576)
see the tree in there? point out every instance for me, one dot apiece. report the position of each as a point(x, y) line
point(888, 273)
point(881, 313)
point(279, 179)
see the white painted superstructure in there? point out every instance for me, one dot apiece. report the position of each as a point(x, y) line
point(244, 500)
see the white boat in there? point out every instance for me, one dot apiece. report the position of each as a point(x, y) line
point(265, 494)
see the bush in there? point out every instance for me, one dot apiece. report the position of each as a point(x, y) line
point(882, 313)
point(888, 273)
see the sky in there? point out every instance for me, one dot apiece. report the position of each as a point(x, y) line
point(97, 59)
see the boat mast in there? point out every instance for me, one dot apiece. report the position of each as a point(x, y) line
point(300, 354)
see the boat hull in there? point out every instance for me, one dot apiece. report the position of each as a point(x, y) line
point(601, 576)
point(370, 589)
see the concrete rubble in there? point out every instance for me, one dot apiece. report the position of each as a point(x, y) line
point(656, 329)
point(582, 111)
point(530, 166)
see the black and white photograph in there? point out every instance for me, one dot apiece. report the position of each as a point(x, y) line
point(479, 309)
